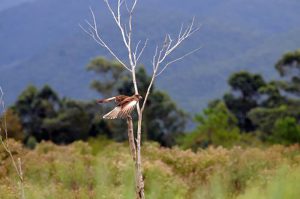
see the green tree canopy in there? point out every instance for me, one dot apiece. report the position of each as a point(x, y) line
point(243, 96)
point(111, 72)
point(246, 84)
point(287, 62)
point(280, 104)
point(33, 106)
point(289, 67)
point(45, 116)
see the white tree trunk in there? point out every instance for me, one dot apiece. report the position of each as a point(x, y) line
point(138, 164)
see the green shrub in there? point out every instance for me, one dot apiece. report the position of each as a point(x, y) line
point(217, 126)
point(286, 131)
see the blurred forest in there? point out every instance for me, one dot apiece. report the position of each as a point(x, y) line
point(253, 112)
point(245, 144)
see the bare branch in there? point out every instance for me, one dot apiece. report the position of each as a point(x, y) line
point(180, 32)
point(168, 47)
point(154, 58)
point(127, 7)
point(126, 35)
point(120, 2)
point(111, 11)
point(137, 47)
point(134, 5)
point(175, 60)
point(92, 31)
point(142, 50)
point(126, 31)
point(118, 20)
point(147, 93)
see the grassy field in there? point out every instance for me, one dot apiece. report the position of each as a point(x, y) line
point(104, 169)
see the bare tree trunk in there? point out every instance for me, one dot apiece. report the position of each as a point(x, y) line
point(131, 138)
point(138, 165)
point(136, 156)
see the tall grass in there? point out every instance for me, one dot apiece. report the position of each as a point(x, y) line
point(103, 169)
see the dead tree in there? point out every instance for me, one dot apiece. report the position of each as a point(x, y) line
point(159, 65)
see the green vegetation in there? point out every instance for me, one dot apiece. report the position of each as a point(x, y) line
point(231, 154)
point(286, 131)
point(43, 115)
point(253, 111)
point(104, 169)
point(216, 126)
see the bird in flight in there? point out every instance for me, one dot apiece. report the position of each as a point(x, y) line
point(125, 105)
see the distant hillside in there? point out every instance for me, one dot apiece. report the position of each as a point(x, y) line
point(5, 4)
point(42, 43)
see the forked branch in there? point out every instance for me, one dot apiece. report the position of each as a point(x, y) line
point(92, 31)
point(168, 47)
point(126, 34)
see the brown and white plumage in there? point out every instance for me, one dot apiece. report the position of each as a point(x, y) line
point(125, 106)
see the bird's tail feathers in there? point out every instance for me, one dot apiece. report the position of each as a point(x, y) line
point(113, 114)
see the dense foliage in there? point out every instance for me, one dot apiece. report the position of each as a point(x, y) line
point(262, 111)
point(253, 111)
point(43, 115)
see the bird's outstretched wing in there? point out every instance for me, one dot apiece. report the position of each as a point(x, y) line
point(117, 99)
point(122, 110)
point(127, 108)
point(113, 114)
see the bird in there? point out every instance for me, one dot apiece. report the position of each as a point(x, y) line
point(125, 105)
